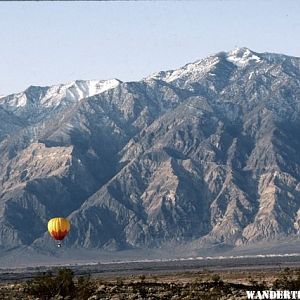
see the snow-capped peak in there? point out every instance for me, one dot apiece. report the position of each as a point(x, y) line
point(198, 68)
point(77, 90)
point(52, 96)
point(16, 100)
point(242, 56)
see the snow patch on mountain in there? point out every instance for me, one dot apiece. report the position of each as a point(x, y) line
point(73, 91)
point(242, 56)
point(18, 100)
point(196, 69)
point(77, 90)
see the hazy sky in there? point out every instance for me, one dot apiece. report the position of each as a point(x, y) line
point(44, 43)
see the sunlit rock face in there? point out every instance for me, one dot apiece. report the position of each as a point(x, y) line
point(204, 155)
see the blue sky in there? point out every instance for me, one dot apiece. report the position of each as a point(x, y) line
point(44, 43)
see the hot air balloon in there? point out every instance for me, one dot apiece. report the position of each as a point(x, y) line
point(58, 228)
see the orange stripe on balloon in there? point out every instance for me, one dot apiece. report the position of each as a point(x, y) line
point(59, 235)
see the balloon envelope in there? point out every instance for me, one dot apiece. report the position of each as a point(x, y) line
point(58, 228)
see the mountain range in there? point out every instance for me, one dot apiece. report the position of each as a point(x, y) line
point(203, 156)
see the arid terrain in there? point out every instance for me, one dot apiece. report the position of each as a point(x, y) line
point(186, 279)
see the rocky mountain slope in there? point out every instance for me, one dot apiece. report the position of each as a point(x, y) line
point(204, 155)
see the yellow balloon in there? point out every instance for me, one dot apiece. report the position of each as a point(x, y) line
point(58, 228)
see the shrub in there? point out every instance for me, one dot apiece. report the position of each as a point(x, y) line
point(216, 278)
point(287, 279)
point(120, 281)
point(47, 286)
point(85, 287)
point(44, 286)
